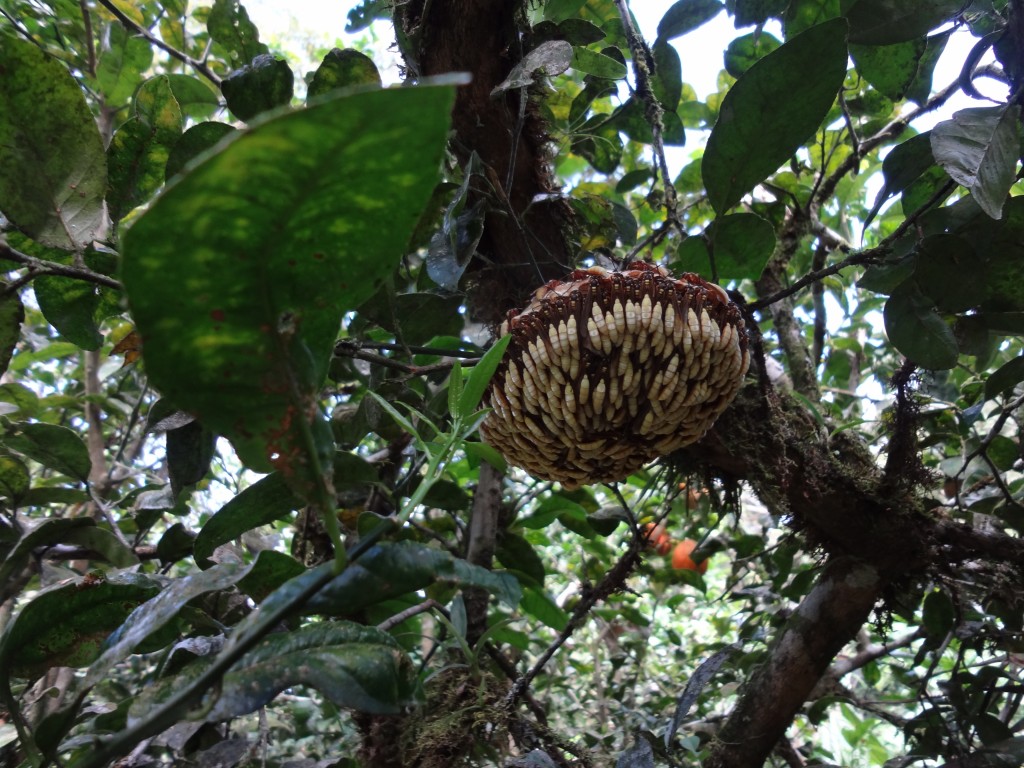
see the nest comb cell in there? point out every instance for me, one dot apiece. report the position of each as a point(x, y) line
point(607, 371)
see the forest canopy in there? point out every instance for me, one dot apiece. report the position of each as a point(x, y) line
point(447, 423)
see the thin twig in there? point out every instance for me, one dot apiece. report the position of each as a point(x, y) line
point(653, 111)
point(427, 605)
point(199, 66)
point(353, 349)
point(39, 267)
point(89, 43)
point(868, 256)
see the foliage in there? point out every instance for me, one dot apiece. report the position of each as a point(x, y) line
point(215, 270)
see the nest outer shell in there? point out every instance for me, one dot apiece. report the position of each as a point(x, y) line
point(607, 371)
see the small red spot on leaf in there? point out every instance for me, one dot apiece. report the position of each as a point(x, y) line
point(318, 256)
point(217, 315)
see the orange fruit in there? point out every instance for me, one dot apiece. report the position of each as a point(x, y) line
point(682, 557)
point(656, 538)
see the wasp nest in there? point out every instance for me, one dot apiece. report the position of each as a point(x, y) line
point(609, 370)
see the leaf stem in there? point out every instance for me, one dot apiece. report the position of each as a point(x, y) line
point(37, 267)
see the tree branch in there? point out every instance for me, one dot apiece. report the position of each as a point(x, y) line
point(130, 24)
point(39, 267)
point(842, 600)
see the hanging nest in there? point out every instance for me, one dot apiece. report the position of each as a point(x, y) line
point(609, 370)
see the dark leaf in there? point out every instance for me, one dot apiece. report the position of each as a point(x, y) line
point(950, 273)
point(355, 667)
point(640, 755)
point(363, 14)
point(322, 201)
point(668, 75)
point(263, 502)
point(1005, 377)
point(539, 604)
point(685, 16)
point(198, 139)
point(518, 554)
point(343, 69)
point(12, 314)
point(70, 306)
point(698, 682)
point(52, 446)
point(264, 84)
point(750, 12)
point(901, 167)
point(386, 571)
point(884, 22)
point(175, 544)
point(68, 626)
point(190, 450)
point(45, 533)
point(53, 172)
point(741, 244)
point(744, 147)
point(979, 149)
point(916, 330)
point(920, 89)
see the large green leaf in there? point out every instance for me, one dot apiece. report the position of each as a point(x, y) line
point(343, 69)
point(685, 16)
point(70, 306)
point(264, 84)
point(979, 148)
point(53, 171)
point(12, 314)
point(386, 571)
point(239, 274)
point(67, 626)
point(772, 110)
point(354, 666)
point(884, 22)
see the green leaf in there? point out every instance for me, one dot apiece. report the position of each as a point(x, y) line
point(263, 502)
point(386, 571)
point(58, 448)
point(1005, 377)
point(744, 148)
point(14, 479)
point(229, 25)
point(53, 172)
point(685, 16)
point(190, 449)
point(277, 236)
point(152, 615)
point(921, 88)
point(44, 533)
point(597, 64)
point(355, 667)
point(263, 85)
point(901, 167)
point(741, 244)
point(363, 14)
point(67, 626)
point(12, 314)
point(747, 50)
point(667, 82)
point(884, 22)
point(917, 331)
point(480, 377)
point(121, 64)
point(939, 259)
point(517, 553)
point(138, 152)
point(104, 543)
point(195, 98)
point(979, 149)
point(343, 69)
point(749, 12)
point(938, 615)
point(537, 603)
point(891, 69)
point(198, 139)
point(269, 572)
point(70, 306)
